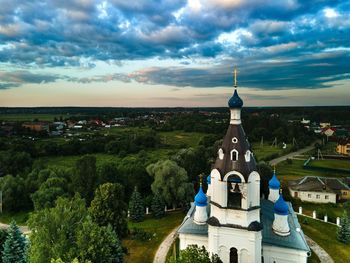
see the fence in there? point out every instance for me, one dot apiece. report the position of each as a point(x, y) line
point(314, 216)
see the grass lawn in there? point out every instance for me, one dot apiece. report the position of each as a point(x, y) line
point(20, 217)
point(333, 210)
point(327, 163)
point(180, 139)
point(326, 236)
point(266, 152)
point(144, 251)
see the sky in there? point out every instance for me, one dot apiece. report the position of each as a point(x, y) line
point(169, 53)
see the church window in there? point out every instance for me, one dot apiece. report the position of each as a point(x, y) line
point(247, 156)
point(233, 255)
point(234, 194)
point(234, 140)
point(234, 155)
point(221, 154)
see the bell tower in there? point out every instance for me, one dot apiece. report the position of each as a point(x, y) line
point(234, 228)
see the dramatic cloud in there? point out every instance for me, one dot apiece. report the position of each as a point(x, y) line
point(276, 44)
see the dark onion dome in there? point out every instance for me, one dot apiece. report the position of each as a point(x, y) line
point(208, 179)
point(281, 207)
point(274, 183)
point(200, 199)
point(235, 101)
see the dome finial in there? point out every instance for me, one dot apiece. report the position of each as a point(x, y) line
point(201, 179)
point(235, 76)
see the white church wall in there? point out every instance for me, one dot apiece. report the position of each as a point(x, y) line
point(189, 239)
point(254, 189)
point(247, 243)
point(237, 217)
point(273, 254)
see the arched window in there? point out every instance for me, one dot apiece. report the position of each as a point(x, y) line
point(233, 255)
point(247, 156)
point(234, 155)
point(234, 194)
point(234, 140)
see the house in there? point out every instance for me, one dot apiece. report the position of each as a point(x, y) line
point(325, 124)
point(329, 131)
point(343, 146)
point(231, 219)
point(319, 189)
point(37, 126)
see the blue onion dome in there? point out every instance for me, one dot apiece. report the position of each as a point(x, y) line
point(235, 101)
point(281, 207)
point(200, 199)
point(208, 179)
point(274, 183)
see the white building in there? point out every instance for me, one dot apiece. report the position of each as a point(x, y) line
point(242, 227)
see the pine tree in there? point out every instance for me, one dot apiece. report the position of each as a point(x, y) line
point(15, 246)
point(158, 206)
point(344, 229)
point(136, 207)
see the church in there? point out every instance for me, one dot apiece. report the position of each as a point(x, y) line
point(231, 219)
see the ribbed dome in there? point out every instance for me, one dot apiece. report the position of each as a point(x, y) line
point(200, 199)
point(281, 207)
point(208, 179)
point(235, 101)
point(274, 183)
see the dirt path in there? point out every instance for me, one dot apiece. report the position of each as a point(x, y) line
point(164, 247)
point(319, 251)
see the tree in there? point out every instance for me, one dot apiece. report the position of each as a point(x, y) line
point(158, 206)
point(194, 254)
point(343, 234)
point(15, 197)
point(265, 173)
point(136, 207)
point(15, 246)
point(3, 237)
point(73, 261)
point(108, 173)
point(99, 244)
point(54, 230)
point(85, 177)
point(49, 191)
point(171, 182)
point(109, 207)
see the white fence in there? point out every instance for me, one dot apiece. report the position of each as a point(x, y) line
point(314, 216)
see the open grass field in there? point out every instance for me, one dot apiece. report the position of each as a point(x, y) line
point(326, 163)
point(144, 251)
point(180, 139)
point(20, 217)
point(326, 236)
point(286, 171)
point(266, 152)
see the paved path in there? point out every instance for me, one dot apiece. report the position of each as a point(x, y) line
point(292, 154)
point(164, 247)
point(319, 251)
point(24, 229)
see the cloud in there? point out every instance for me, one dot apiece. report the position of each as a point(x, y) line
point(9, 79)
point(280, 43)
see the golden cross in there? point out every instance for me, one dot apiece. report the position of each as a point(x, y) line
point(235, 76)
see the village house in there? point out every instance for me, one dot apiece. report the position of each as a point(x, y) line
point(343, 146)
point(320, 189)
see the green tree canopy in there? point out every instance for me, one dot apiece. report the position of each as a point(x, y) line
point(194, 254)
point(85, 177)
point(49, 191)
point(158, 206)
point(171, 182)
point(136, 207)
point(14, 194)
point(343, 234)
point(15, 246)
point(109, 207)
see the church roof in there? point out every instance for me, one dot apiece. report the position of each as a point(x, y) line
point(200, 199)
point(295, 240)
point(281, 207)
point(274, 183)
point(241, 145)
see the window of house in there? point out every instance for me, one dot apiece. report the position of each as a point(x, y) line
point(345, 193)
point(326, 197)
point(317, 196)
point(308, 195)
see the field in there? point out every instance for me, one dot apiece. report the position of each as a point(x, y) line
point(179, 139)
point(266, 152)
point(325, 235)
point(144, 251)
point(326, 163)
point(20, 217)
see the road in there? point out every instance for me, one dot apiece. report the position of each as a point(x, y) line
point(24, 229)
point(164, 247)
point(291, 155)
point(319, 251)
